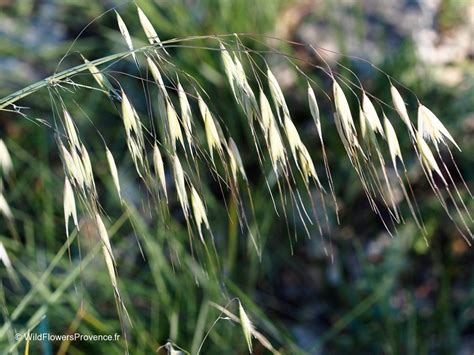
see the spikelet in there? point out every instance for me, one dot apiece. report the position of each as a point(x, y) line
point(109, 262)
point(73, 166)
point(149, 29)
point(113, 171)
point(247, 326)
point(159, 168)
point(344, 112)
point(431, 127)
point(155, 72)
point(277, 150)
point(371, 115)
point(401, 108)
point(173, 125)
point(100, 78)
point(69, 206)
point(71, 130)
point(4, 208)
point(104, 237)
point(180, 186)
point(86, 163)
point(307, 166)
point(392, 141)
point(126, 35)
point(363, 123)
point(212, 134)
point(229, 67)
point(235, 160)
point(129, 115)
point(277, 93)
point(5, 159)
point(427, 156)
point(186, 115)
point(199, 211)
point(266, 113)
point(107, 250)
point(293, 136)
point(313, 107)
point(4, 257)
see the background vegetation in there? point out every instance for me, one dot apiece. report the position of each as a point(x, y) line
point(376, 295)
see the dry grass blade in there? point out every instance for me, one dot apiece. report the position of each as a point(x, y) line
point(5, 159)
point(69, 205)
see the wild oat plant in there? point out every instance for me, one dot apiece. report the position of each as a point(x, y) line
point(180, 144)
